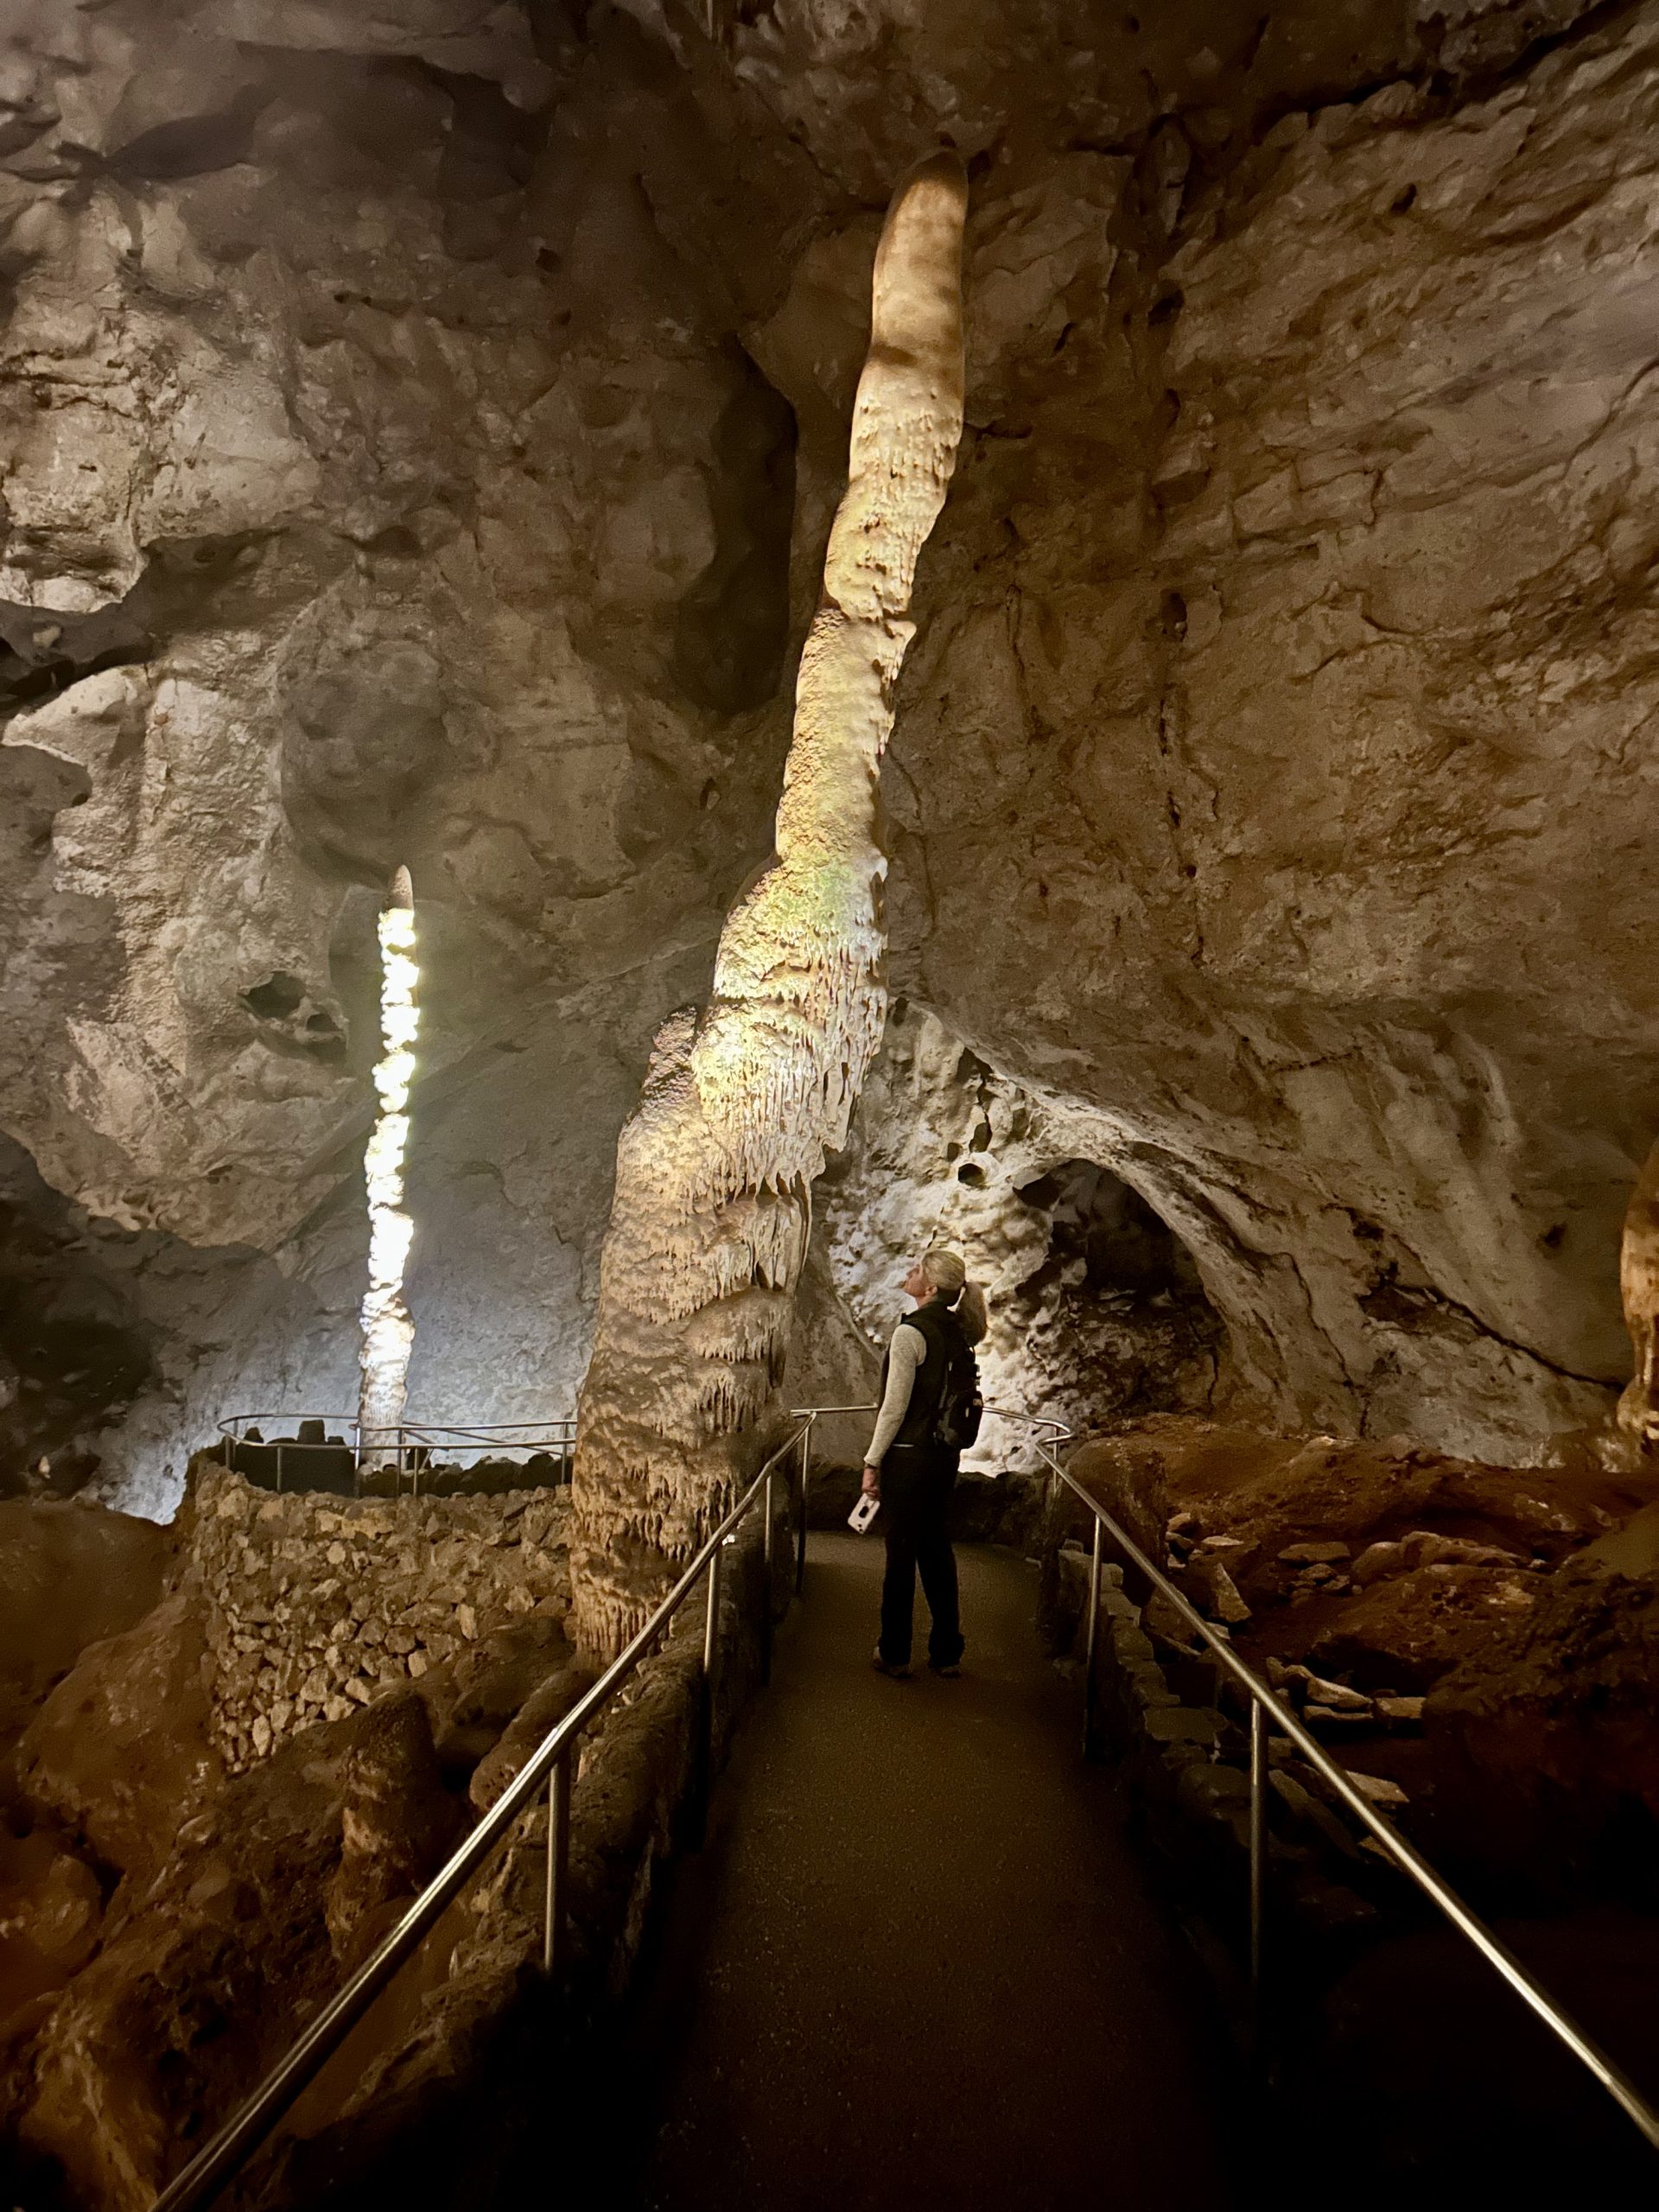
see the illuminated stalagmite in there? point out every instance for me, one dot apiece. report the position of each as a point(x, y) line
point(1638, 1282)
point(714, 1170)
point(387, 1331)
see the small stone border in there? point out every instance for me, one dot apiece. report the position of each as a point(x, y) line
point(1183, 1763)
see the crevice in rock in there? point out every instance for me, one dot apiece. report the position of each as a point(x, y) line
point(192, 145)
point(1116, 1304)
point(1413, 1306)
point(43, 653)
point(73, 1351)
point(732, 631)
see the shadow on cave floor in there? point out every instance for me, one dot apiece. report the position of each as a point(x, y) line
point(917, 1963)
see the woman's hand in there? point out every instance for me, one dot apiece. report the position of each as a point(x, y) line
point(871, 1484)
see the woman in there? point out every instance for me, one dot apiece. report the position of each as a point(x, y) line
point(926, 1379)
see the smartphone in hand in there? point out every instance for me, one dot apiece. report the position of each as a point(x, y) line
point(863, 1514)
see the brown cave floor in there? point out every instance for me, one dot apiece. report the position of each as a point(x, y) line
point(917, 1963)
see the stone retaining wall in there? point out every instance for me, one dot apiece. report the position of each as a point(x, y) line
point(316, 1603)
point(1184, 1764)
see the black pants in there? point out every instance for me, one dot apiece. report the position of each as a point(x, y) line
point(916, 1487)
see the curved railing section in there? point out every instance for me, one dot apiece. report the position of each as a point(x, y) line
point(412, 1450)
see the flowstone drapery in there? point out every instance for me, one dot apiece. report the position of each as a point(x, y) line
point(715, 1169)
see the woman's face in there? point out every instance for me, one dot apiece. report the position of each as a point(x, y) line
point(917, 1285)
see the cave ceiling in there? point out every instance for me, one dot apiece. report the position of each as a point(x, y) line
point(420, 425)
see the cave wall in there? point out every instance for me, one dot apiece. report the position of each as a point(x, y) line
point(1296, 742)
point(420, 432)
point(383, 486)
point(1095, 1312)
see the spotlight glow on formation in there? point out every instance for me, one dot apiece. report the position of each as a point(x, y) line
point(388, 1332)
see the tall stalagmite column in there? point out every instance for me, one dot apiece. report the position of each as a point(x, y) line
point(715, 1169)
point(388, 1332)
point(1638, 1278)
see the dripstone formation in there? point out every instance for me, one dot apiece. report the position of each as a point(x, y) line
point(426, 434)
point(422, 438)
point(714, 1171)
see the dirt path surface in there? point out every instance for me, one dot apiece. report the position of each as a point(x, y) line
point(916, 1965)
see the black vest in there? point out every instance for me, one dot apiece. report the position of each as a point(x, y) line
point(945, 1344)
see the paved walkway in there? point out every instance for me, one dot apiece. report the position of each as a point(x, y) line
point(916, 1965)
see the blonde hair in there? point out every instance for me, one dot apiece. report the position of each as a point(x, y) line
point(946, 1271)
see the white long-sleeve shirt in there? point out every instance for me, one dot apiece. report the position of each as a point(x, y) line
point(905, 1356)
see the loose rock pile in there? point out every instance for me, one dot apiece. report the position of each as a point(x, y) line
point(316, 1604)
point(1431, 1618)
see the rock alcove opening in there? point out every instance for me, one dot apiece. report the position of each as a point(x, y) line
point(1116, 1312)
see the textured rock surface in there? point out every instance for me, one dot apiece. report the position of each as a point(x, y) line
point(314, 1603)
point(192, 1994)
point(408, 495)
point(1096, 1310)
point(1274, 1494)
point(745, 1095)
point(408, 419)
point(1547, 1735)
point(69, 1576)
point(121, 1754)
point(235, 1899)
point(1481, 1636)
point(1303, 776)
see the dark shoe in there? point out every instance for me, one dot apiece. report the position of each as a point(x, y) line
point(949, 1667)
point(883, 1667)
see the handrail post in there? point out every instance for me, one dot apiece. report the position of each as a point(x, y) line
point(1258, 1871)
point(800, 1530)
point(558, 1859)
point(1089, 1648)
point(766, 1582)
point(705, 1749)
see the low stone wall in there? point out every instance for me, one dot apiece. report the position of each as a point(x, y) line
point(438, 2111)
point(317, 1604)
point(1182, 1758)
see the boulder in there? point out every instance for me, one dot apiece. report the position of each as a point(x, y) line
point(1631, 1549)
point(397, 1823)
point(69, 1574)
point(1290, 1501)
point(51, 1904)
point(541, 1713)
point(119, 1754)
point(492, 1684)
point(204, 1977)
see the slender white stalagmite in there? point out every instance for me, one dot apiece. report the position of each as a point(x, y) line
point(1638, 1276)
point(715, 1169)
point(388, 1332)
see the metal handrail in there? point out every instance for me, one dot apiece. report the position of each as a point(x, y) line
point(235, 1425)
point(1266, 1711)
point(200, 2182)
point(408, 1442)
point(553, 1759)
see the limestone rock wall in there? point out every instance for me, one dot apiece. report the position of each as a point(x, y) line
point(383, 484)
point(316, 1604)
point(944, 1151)
point(421, 429)
point(1295, 742)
